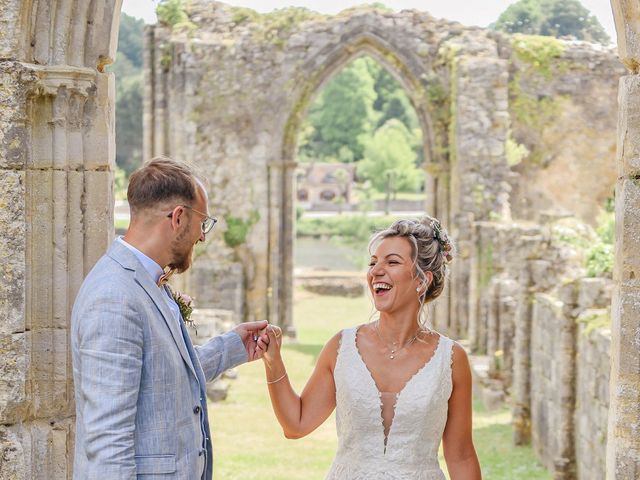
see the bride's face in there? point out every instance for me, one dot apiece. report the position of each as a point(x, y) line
point(391, 276)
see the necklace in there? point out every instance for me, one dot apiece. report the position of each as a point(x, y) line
point(395, 349)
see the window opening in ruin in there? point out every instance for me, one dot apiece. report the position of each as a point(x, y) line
point(360, 161)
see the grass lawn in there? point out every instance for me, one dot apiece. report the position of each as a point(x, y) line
point(248, 442)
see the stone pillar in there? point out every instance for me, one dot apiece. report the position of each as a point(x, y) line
point(479, 91)
point(56, 214)
point(288, 233)
point(158, 57)
point(521, 389)
point(56, 165)
point(623, 445)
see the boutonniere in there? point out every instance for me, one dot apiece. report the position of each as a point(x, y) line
point(185, 303)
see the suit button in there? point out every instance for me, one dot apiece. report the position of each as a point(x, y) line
point(196, 409)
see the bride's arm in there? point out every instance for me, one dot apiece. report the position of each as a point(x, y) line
point(300, 415)
point(457, 441)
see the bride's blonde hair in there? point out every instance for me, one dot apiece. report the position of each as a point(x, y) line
point(431, 249)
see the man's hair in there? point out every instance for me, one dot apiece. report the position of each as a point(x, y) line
point(160, 181)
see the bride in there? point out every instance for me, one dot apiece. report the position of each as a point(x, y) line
point(398, 387)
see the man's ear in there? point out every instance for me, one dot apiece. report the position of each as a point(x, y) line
point(176, 216)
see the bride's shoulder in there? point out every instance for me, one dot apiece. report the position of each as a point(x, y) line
point(335, 341)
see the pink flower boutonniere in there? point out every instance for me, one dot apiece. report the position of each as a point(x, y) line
point(185, 303)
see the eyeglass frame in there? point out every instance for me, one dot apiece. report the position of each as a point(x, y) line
point(206, 218)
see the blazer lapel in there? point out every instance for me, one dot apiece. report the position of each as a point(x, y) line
point(128, 260)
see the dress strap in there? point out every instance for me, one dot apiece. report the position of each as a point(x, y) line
point(446, 353)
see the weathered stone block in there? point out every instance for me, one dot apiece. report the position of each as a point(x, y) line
point(625, 315)
point(218, 286)
point(13, 247)
point(97, 216)
point(15, 84)
point(39, 261)
point(12, 456)
point(627, 260)
point(626, 14)
point(99, 139)
point(15, 351)
point(629, 126)
point(50, 372)
point(594, 293)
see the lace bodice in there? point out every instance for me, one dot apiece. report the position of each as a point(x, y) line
point(411, 451)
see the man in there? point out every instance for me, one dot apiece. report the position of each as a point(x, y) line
point(140, 383)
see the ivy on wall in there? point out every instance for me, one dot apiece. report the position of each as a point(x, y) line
point(238, 228)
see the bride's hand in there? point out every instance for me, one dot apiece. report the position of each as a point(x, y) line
point(271, 349)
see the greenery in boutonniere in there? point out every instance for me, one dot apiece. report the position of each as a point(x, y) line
point(185, 303)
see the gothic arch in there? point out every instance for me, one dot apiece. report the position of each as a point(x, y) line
point(335, 57)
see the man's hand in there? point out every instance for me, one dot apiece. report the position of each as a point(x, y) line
point(250, 333)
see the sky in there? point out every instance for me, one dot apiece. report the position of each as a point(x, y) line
point(467, 12)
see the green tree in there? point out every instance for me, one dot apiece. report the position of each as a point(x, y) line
point(389, 162)
point(130, 39)
point(129, 87)
point(343, 114)
point(555, 18)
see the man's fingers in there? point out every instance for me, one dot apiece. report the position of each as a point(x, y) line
point(253, 326)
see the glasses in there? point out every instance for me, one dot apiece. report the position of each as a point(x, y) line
point(207, 222)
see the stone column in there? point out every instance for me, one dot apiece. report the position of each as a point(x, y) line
point(623, 445)
point(285, 319)
point(57, 220)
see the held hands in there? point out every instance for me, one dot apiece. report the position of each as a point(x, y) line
point(271, 346)
point(254, 337)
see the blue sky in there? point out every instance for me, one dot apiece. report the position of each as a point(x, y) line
point(468, 12)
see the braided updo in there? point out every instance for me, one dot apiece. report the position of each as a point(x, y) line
point(432, 250)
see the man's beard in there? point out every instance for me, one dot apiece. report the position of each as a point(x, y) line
point(181, 253)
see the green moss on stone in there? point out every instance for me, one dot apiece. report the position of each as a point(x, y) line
point(238, 228)
point(485, 260)
point(541, 53)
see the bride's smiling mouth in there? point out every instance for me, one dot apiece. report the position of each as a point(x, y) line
point(380, 288)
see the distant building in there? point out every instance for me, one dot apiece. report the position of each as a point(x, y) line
point(321, 185)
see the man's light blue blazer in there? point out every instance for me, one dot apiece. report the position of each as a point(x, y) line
point(139, 413)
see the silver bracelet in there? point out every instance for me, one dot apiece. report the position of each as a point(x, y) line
point(276, 381)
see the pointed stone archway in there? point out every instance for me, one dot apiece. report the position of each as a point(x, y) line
point(230, 95)
point(353, 45)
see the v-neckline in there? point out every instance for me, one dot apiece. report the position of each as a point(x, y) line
point(397, 394)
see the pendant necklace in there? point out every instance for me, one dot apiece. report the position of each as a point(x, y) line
point(395, 349)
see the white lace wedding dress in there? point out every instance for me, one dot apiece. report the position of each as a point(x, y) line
point(410, 450)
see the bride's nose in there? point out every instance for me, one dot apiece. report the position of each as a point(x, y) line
point(376, 270)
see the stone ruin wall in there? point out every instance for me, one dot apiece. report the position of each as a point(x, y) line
point(230, 95)
point(534, 319)
point(563, 109)
point(592, 400)
point(230, 98)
